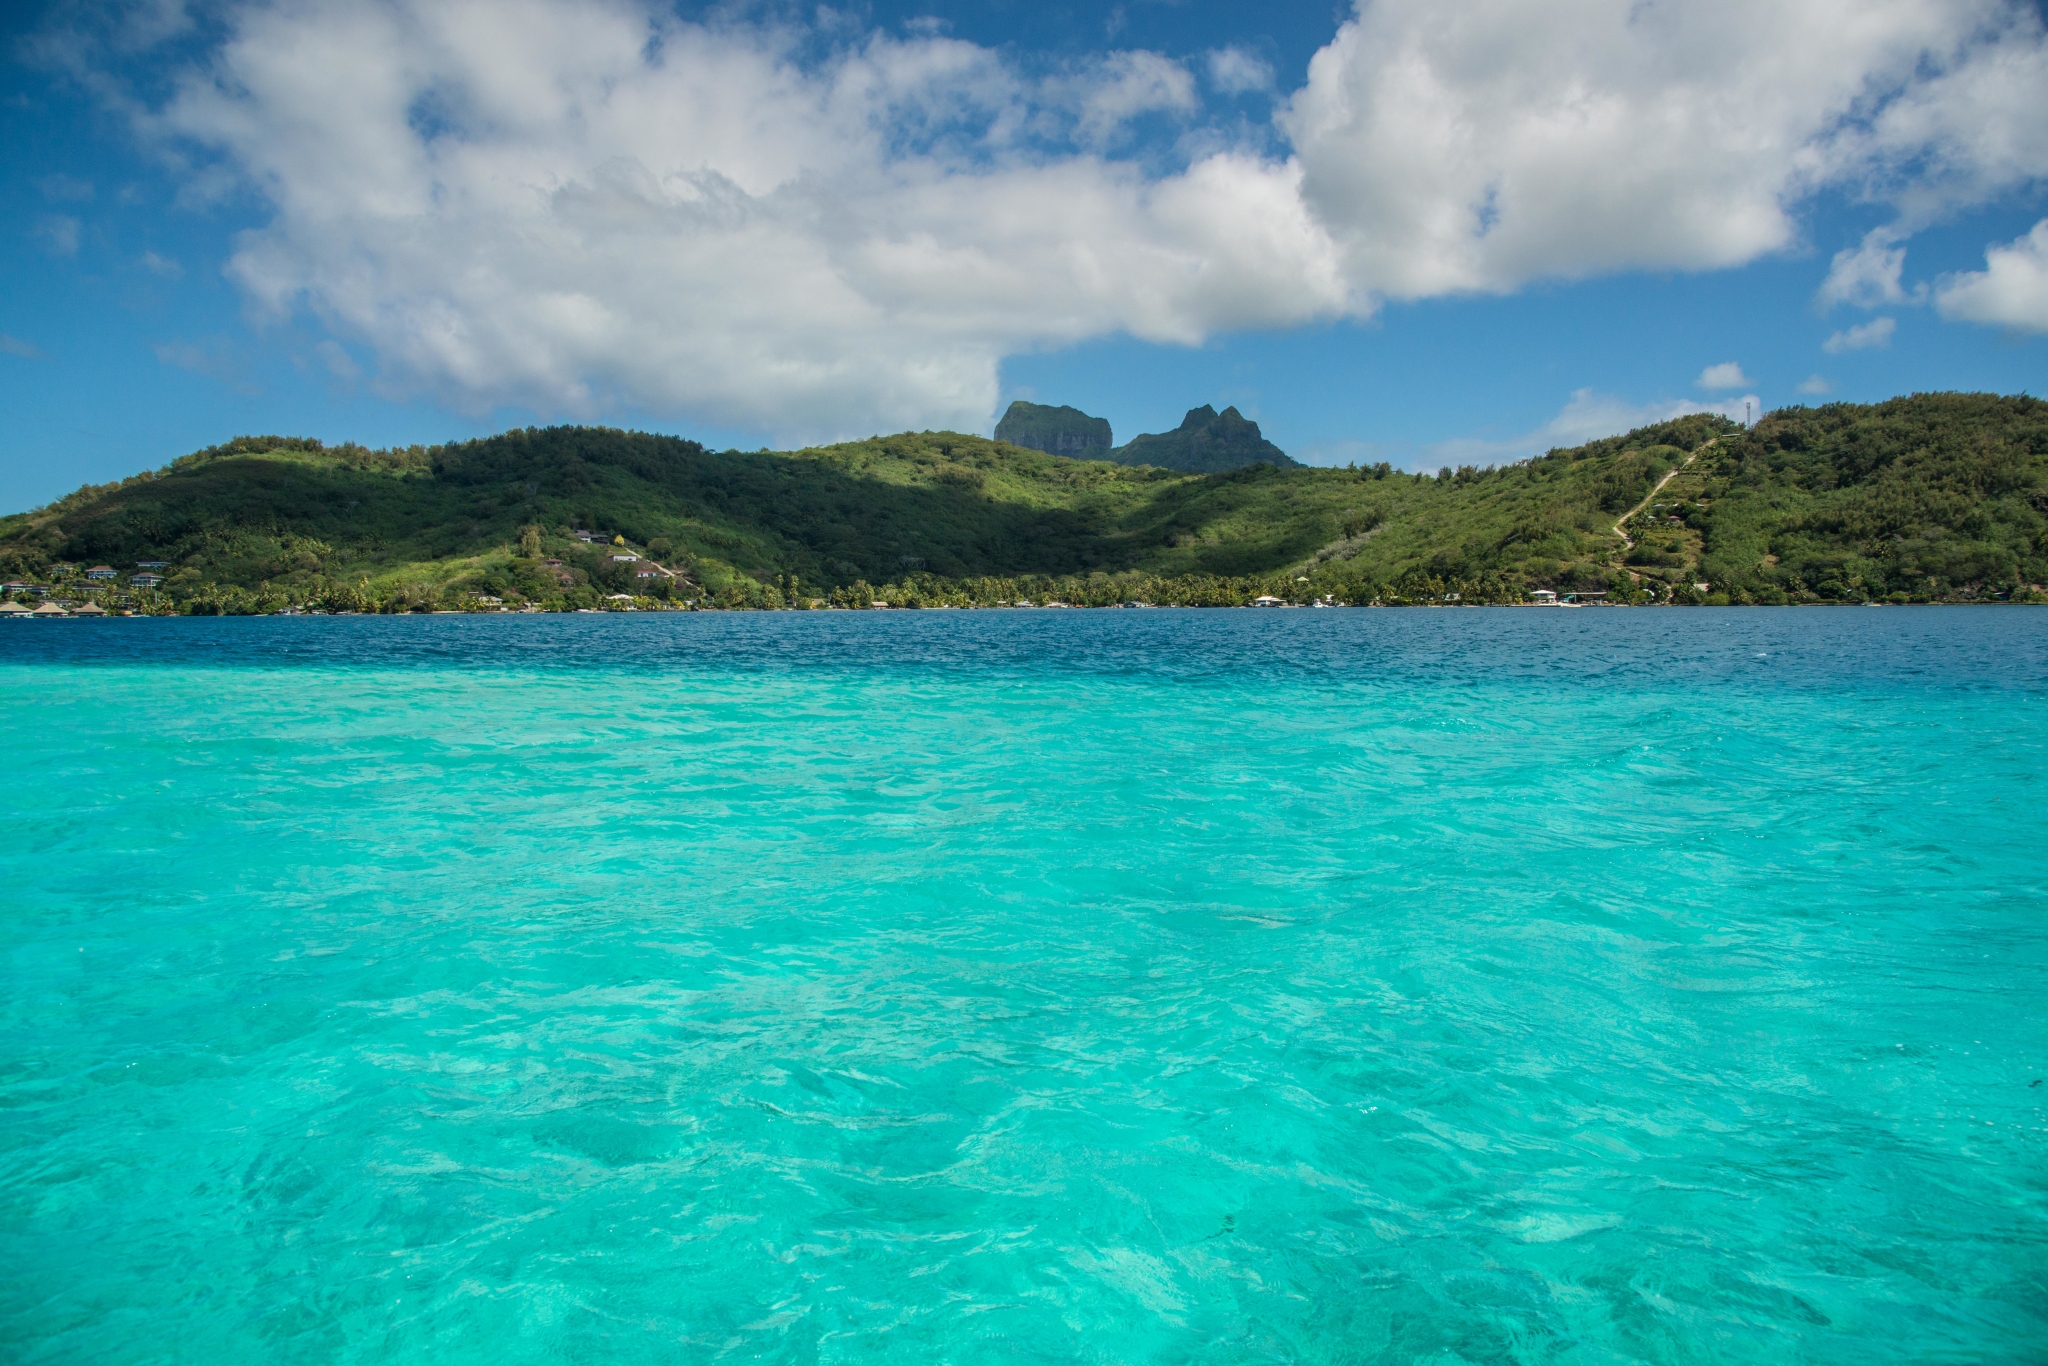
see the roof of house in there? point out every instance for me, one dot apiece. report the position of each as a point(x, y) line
point(50, 609)
point(15, 609)
point(91, 609)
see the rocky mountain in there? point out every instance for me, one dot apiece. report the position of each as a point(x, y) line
point(1056, 431)
point(1206, 442)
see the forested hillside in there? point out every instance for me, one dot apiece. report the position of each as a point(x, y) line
point(1934, 497)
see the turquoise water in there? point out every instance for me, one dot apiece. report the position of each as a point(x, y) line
point(1470, 986)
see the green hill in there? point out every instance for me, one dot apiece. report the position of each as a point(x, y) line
point(1934, 497)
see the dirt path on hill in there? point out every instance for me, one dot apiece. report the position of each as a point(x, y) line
point(1627, 544)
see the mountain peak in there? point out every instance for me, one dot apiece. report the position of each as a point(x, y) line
point(1206, 442)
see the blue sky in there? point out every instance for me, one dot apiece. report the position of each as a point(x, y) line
point(1411, 232)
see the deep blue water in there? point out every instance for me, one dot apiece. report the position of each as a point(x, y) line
point(1475, 985)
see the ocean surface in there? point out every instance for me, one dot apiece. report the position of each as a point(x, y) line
point(1121, 987)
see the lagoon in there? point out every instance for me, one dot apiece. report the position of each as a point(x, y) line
point(1474, 985)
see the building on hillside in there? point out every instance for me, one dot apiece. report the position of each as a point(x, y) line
point(650, 570)
point(624, 557)
point(146, 580)
point(101, 571)
point(15, 586)
point(152, 564)
point(1267, 600)
point(1542, 597)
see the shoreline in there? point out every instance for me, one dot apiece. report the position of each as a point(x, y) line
point(980, 607)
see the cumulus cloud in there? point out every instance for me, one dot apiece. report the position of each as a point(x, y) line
point(1868, 274)
point(1127, 85)
point(1483, 145)
point(1235, 71)
point(338, 361)
point(1587, 416)
point(1876, 332)
point(572, 205)
point(563, 204)
point(1726, 375)
point(67, 187)
point(215, 358)
point(59, 234)
point(1814, 384)
point(15, 346)
point(163, 266)
point(2010, 292)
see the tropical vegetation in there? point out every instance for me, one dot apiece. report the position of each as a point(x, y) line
point(1934, 497)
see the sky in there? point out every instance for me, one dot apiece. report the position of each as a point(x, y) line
point(1410, 230)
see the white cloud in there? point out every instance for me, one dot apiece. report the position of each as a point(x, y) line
point(15, 346)
point(214, 358)
point(699, 224)
point(1587, 416)
point(1726, 375)
point(1127, 85)
point(1867, 275)
point(564, 204)
point(1235, 71)
point(161, 265)
point(62, 186)
point(60, 234)
point(1814, 384)
point(339, 362)
point(1876, 332)
point(1482, 145)
point(2011, 291)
